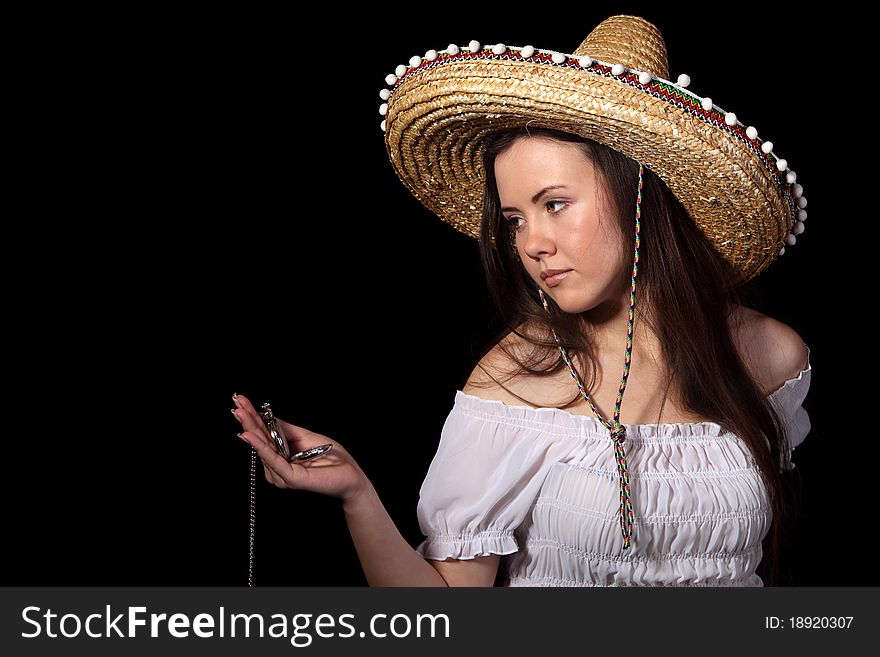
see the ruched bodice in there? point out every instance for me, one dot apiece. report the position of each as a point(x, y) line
point(539, 485)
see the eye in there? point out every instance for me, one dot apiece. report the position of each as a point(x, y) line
point(512, 222)
point(549, 205)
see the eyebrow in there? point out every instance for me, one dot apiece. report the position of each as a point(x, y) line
point(537, 196)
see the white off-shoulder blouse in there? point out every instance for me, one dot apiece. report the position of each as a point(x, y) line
point(540, 485)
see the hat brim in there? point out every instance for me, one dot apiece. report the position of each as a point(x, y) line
point(440, 115)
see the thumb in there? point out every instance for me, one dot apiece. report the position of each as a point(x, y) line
point(300, 436)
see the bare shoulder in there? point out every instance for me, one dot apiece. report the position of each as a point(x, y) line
point(772, 350)
point(486, 375)
point(490, 379)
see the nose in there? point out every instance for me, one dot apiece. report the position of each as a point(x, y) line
point(539, 239)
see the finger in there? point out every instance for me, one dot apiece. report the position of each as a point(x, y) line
point(267, 473)
point(247, 416)
point(242, 402)
point(248, 423)
point(250, 420)
point(265, 451)
point(272, 477)
point(285, 474)
point(247, 407)
point(259, 432)
point(282, 479)
point(300, 436)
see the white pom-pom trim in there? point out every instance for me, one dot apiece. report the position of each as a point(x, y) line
point(797, 190)
point(782, 251)
point(791, 240)
point(798, 228)
point(802, 215)
point(382, 125)
point(586, 61)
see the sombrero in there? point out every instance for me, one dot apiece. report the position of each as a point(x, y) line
point(614, 88)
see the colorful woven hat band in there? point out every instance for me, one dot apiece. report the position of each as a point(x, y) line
point(441, 108)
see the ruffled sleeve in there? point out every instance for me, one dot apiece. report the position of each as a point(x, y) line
point(486, 474)
point(788, 401)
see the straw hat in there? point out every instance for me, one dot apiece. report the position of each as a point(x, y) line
point(614, 89)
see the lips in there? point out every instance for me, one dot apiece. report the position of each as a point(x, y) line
point(547, 273)
point(552, 280)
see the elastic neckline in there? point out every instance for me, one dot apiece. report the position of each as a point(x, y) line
point(563, 418)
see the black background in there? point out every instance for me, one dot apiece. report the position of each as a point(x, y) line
point(195, 175)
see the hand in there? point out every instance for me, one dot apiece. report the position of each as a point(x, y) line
point(335, 473)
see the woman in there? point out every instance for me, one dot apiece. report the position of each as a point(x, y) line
point(543, 476)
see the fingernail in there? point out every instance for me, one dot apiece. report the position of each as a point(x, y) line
point(233, 412)
point(241, 435)
point(235, 399)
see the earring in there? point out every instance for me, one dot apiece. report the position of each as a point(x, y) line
point(543, 299)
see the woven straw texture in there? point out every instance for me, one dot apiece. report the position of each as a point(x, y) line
point(438, 119)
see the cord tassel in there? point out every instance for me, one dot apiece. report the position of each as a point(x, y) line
point(618, 435)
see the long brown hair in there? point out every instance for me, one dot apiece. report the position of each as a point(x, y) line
point(684, 294)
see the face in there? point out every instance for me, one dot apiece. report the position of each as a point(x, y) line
point(557, 202)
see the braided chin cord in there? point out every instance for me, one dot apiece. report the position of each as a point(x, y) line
point(616, 429)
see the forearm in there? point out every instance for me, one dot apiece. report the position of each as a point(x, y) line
point(386, 557)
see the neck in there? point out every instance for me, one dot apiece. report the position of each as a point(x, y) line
point(608, 325)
